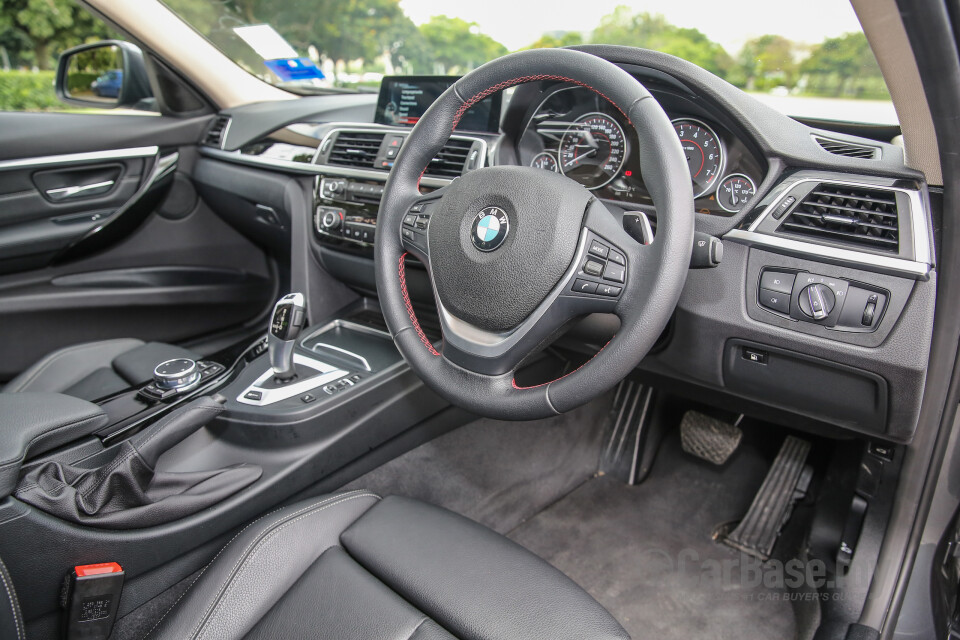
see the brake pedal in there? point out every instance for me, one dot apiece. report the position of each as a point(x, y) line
point(786, 482)
point(708, 438)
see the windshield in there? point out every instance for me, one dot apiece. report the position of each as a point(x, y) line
point(791, 58)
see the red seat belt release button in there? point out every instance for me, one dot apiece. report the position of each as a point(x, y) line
point(90, 598)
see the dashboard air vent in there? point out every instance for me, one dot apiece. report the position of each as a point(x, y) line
point(217, 133)
point(451, 160)
point(355, 149)
point(858, 216)
point(848, 149)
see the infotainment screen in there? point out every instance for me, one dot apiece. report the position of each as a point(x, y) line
point(404, 99)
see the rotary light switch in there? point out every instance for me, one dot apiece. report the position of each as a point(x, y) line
point(817, 301)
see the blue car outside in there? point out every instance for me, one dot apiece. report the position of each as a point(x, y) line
point(108, 85)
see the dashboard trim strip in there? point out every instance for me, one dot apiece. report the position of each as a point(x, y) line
point(310, 169)
point(884, 264)
point(73, 158)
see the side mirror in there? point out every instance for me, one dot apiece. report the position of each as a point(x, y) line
point(104, 75)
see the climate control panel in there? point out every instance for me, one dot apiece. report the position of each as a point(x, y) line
point(831, 302)
point(334, 223)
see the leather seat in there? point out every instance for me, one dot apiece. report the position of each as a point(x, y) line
point(94, 370)
point(352, 566)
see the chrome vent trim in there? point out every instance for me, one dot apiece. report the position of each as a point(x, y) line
point(449, 163)
point(358, 149)
point(452, 159)
point(216, 135)
point(860, 217)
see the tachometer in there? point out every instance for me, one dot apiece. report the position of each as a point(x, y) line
point(735, 192)
point(593, 150)
point(704, 153)
point(544, 160)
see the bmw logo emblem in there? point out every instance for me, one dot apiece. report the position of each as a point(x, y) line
point(490, 229)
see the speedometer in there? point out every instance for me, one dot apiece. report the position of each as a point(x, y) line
point(704, 153)
point(593, 150)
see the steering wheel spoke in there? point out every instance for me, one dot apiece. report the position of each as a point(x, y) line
point(496, 353)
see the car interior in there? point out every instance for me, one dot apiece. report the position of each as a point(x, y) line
point(586, 343)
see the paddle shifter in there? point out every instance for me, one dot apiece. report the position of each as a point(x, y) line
point(289, 316)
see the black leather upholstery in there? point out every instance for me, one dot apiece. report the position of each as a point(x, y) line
point(93, 370)
point(11, 621)
point(128, 491)
point(33, 423)
point(354, 567)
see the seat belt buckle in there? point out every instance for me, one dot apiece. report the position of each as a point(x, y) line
point(90, 597)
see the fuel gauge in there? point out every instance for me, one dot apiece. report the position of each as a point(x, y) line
point(735, 192)
point(544, 160)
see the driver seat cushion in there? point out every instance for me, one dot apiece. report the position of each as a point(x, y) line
point(93, 370)
point(353, 566)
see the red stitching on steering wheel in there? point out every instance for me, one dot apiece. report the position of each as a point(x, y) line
point(402, 272)
point(506, 84)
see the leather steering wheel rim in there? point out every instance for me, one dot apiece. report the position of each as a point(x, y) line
point(655, 273)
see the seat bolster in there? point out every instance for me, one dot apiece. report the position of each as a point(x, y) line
point(473, 582)
point(61, 369)
point(253, 571)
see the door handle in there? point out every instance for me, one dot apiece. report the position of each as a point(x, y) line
point(64, 193)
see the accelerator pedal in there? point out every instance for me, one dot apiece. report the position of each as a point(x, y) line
point(786, 482)
point(708, 438)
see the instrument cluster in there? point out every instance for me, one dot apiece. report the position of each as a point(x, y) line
point(575, 132)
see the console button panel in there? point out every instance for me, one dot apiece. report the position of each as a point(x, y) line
point(821, 299)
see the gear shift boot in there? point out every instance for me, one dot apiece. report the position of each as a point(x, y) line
point(301, 372)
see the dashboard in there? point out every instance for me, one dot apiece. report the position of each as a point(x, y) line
point(574, 131)
point(821, 307)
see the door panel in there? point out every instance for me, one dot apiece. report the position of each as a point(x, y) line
point(113, 241)
point(48, 205)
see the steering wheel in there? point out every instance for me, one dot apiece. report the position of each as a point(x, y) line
point(515, 253)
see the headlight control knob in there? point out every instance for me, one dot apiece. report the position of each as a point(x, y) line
point(817, 301)
point(179, 373)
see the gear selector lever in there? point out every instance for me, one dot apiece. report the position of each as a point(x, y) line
point(289, 316)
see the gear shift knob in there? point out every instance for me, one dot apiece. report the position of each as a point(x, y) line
point(289, 316)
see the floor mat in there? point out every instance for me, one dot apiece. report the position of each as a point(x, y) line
point(499, 473)
point(645, 552)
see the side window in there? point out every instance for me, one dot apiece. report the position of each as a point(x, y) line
point(32, 37)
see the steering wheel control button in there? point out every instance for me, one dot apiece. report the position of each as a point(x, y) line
point(776, 281)
point(608, 290)
point(618, 258)
point(775, 300)
point(410, 220)
point(614, 272)
point(584, 286)
point(817, 301)
point(490, 228)
point(599, 249)
point(593, 268)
